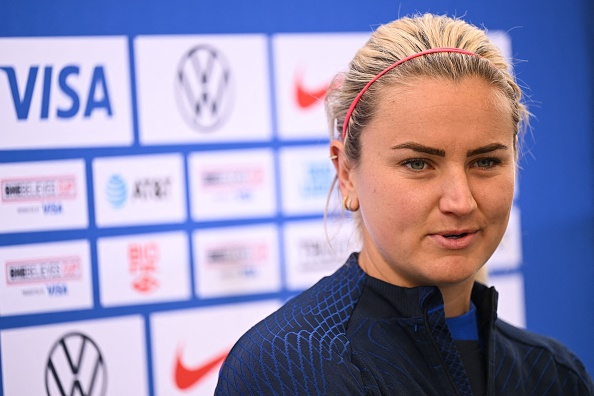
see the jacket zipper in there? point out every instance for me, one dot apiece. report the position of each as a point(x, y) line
point(443, 363)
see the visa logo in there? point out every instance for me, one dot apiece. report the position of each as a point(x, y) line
point(87, 97)
point(59, 289)
point(51, 208)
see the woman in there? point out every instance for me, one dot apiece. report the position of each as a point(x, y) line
point(426, 152)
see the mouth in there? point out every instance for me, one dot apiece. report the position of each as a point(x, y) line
point(455, 236)
point(455, 239)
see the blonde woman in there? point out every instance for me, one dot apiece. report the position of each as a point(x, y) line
point(425, 148)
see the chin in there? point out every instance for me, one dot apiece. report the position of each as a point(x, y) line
point(451, 274)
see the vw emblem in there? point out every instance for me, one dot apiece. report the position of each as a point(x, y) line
point(75, 366)
point(204, 88)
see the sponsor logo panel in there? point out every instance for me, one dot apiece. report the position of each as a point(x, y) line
point(139, 190)
point(45, 277)
point(205, 88)
point(64, 92)
point(306, 177)
point(511, 306)
point(314, 249)
point(236, 260)
point(40, 196)
point(305, 65)
point(99, 357)
point(232, 184)
point(139, 269)
point(190, 346)
point(508, 254)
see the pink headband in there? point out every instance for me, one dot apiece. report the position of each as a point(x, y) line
point(387, 69)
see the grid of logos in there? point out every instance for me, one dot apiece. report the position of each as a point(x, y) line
point(229, 204)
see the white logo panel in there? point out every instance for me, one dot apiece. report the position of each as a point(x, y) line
point(502, 40)
point(314, 249)
point(202, 88)
point(305, 65)
point(64, 92)
point(306, 177)
point(39, 196)
point(190, 346)
point(236, 260)
point(139, 190)
point(45, 277)
point(139, 269)
point(511, 306)
point(100, 357)
point(232, 184)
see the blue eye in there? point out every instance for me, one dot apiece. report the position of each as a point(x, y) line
point(486, 162)
point(415, 164)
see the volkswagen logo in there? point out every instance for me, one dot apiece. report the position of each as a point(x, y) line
point(204, 88)
point(75, 366)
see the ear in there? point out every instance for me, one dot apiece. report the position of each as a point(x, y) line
point(344, 169)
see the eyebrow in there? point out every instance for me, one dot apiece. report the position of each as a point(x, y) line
point(420, 148)
point(486, 149)
point(441, 153)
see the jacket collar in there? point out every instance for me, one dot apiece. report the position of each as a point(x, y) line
point(413, 302)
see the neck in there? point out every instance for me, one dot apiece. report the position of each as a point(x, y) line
point(456, 298)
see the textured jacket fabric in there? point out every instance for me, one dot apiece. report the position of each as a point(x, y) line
point(351, 334)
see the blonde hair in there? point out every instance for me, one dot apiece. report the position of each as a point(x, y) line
point(404, 37)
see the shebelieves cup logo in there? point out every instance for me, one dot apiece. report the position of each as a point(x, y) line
point(75, 366)
point(204, 88)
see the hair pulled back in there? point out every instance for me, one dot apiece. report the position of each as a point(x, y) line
point(404, 37)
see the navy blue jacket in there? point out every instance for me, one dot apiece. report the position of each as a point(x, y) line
point(351, 334)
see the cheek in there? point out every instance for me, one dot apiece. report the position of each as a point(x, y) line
point(496, 200)
point(392, 202)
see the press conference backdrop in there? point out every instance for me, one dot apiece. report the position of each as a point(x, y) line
point(164, 172)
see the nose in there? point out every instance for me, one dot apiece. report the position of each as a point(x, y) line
point(457, 197)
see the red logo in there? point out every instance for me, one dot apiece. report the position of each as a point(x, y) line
point(307, 97)
point(187, 377)
point(142, 264)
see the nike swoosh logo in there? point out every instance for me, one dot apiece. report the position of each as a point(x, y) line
point(188, 377)
point(307, 97)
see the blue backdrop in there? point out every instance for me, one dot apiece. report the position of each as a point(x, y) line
point(553, 42)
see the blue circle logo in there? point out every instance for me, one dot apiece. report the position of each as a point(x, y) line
point(117, 191)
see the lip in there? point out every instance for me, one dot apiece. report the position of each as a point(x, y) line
point(455, 244)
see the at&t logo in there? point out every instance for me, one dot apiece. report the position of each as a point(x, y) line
point(88, 95)
point(204, 88)
point(144, 189)
point(75, 366)
point(152, 189)
point(116, 191)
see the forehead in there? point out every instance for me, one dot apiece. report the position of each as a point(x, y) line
point(434, 104)
point(438, 90)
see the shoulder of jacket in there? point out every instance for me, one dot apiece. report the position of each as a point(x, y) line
point(556, 351)
point(300, 346)
point(323, 309)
